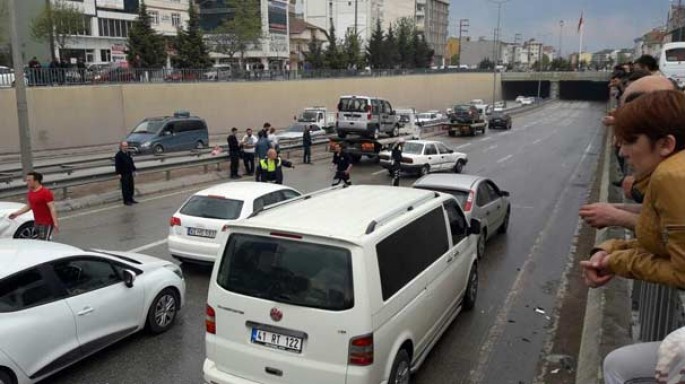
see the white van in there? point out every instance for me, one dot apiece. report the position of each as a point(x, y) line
point(672, 62)
point(344, 286)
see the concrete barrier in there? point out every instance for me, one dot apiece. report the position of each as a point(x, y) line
point(79, 116)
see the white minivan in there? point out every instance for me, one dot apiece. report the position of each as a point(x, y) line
point(343, 286)
point(672, 62)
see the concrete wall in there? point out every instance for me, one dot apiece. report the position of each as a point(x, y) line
point(72, 117)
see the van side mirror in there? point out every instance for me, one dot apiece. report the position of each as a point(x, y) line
point(504, 193)
point(129, 277)
point(474, 227)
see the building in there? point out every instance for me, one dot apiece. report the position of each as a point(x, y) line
point(474, 52)
point(27, 11)
point(650, 43)
point(452, 49)
point(273, 49)
point(168, 15)
point(359, 15)
point(675, 27)
point(432, 18)
point(602, 59)
point(301, 35)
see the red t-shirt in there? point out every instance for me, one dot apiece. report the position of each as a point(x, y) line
point(38, 201)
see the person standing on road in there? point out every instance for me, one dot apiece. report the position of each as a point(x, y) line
point(248, 143)
point(41, 202)
point(343, 165)
point(307, 144)
point(270, 169)
point(273, 139)
point(397, 162)
point(263, 146)
point(234, 152)
point(125, 168)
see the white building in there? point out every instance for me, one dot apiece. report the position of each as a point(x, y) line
point(341, 14)
point(168, 15)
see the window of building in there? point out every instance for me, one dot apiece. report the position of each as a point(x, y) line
point(176, 20)
point(154, 17)
point(113, 27)
point(105, 55)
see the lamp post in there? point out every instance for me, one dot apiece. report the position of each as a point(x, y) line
point(496, 46)
point(561, 36)
point(20, 89)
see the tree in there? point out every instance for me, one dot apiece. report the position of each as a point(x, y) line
point(454, 60)
point(423, 54)
point(332, 56)
point(353, 51)
point(486, 63)
point(560, 64)
point(315, 55)
point(239, 33)
point(191, 51)
point(375, 49)
point(405, 28)
point(391, 50)
point(59, 22)
point(5, 46)
point(146, 48)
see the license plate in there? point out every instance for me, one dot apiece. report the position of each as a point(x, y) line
point(276, 340)
point(201, 232)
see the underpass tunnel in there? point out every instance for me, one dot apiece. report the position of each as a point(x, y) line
point(584, 90)
point(512, 89)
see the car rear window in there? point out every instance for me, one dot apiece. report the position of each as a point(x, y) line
point(353, 104)
point(461, 196)
point(211, 207)
point(413, 148)
point(675, 54)
point(287, 271)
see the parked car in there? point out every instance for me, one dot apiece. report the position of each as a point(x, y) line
point(218, 74)
point(19, 228)
point(479, 197)
point(299, 297)
point(499, 120)
point(424, 156)
point(465, 114)
point(197, 229)
point(296, 130)
point(182, 75)
point(528, 101)
point(60, 304)
point(169, 133)
point(430, 117)
point(520, 99)
point(366, 116)
point(115, 75)
point(6, 77)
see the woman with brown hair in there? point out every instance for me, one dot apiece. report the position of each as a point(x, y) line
point(651, 132)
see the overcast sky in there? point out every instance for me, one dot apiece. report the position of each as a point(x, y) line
point(608, 23)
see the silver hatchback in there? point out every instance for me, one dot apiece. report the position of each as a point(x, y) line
point(479, 197)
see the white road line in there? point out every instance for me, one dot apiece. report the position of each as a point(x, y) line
point(537, 141)
point(464, 146)
point(505, 158)
point(379, 172)
point(486, 138)
point(147, 246)
point(491, 147)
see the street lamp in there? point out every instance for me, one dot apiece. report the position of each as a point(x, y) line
point(20, 91)
point(561, 35)
point(495, 48)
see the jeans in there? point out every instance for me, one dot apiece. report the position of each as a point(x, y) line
point(235, 163)
point(632, 364)
point(248, 159)
point(307, 155)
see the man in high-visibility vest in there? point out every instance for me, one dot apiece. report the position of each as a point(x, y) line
point(270, 170)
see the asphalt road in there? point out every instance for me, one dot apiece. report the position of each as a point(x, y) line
point(547, 162)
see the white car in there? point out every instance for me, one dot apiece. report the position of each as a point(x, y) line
point(19, 228)
point(520, 99)
point(197, 229)
point(425, 156)
point(430, 117)
point(528, 101)
point(295, 132)
point(60, 304)
point(6, 77)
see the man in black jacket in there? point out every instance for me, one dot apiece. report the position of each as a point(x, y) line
point(125, 168)
point(234, 152)
point(307, 145)
point(396, 156)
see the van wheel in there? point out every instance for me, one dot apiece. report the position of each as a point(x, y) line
point(199, 145)
point(163, 311)
point(425, 170)
point(342, 134)
point(459, 167)
point(395, 132)
point(481, 244)
point(471, 288)
point(400, 372)
point(158, 150)
point(6, 377)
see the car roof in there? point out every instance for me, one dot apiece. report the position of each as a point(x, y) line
point(17, 255)
point(342, 213)
point(448, 181)
point(424, 141)
point(244, 190)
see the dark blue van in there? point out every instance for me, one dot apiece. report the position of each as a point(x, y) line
point(169, 133)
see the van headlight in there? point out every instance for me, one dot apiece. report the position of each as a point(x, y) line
point(146, 145)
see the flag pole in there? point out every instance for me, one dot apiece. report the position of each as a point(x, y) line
point(580, 50)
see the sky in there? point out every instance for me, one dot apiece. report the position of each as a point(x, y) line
point(608, 23)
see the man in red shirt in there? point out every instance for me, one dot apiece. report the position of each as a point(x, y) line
point(41, 202)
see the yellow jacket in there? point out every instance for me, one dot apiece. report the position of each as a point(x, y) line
point(658, 252)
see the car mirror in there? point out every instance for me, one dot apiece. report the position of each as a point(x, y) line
point(129, 277)
point(474, 227)
point(504, 193)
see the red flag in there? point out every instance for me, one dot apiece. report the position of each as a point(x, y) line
point(580, 22)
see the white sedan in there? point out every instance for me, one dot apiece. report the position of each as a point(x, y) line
point(295, 132)
point(60, 304)
point(425, 156)
point(196, 230)
point(19, 228)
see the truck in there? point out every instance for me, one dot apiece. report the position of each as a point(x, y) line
point(466, 119)
point(320, 116)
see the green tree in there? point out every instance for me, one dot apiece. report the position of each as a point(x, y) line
point(391, 50)
point(486, 63)
point(375, 49)
point(5, 46)
point(332, 55)
point(191, 51)
point(314, 56)
point(146, 48)
point(405, 29)
point(242, 31)
point(454, 60)
point(560, 64)
point(353, 51)
point(60, 21)
point(423, 54)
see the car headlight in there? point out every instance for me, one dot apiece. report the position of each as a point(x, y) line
point(146, 145)
point(175, 269)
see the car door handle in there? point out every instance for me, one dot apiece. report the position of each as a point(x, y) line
point(85, 311)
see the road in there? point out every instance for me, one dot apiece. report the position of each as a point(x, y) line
point(547, 162)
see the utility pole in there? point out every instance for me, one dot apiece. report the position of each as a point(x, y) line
point(20, 89)
point(356, 5)
point(495, 48)
point(463, 30)
point(48, 8)
point(561, 36)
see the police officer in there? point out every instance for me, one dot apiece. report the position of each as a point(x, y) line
point(396, 156)
point(270, 169)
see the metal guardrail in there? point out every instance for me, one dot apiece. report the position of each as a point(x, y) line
point(557, 76)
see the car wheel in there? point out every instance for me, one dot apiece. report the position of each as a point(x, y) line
point(481, 244)
point(6, 377)
point(26, 231)
point(395, 132)
point(505, 224)
point(400, 372)
point(199, 145)
point(509, 127)
point(162, 312)
point(459, 167)
point(425, 170)
point(471, 293)
point(158, 149)
point(342, 134)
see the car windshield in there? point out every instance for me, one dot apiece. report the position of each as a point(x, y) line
point(461, 108)
point(353, 104)
point(211, 207)
point(287, 271)
point(308, 117)
point(149, 126)
point(675, 54)
point(404, 118)
point(461, 196)
point(498, 115)
point(296, 128)
point(413, 148)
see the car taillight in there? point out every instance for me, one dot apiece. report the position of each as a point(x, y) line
point(361, 350)
point(174, 221)
point(469, 201)
point(210, 320)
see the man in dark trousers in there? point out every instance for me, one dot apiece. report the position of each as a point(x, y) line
point(397, 162)
point(124, 166)
point(234, 152)
point(270, 169)
point(343, 165)
point(307, 145)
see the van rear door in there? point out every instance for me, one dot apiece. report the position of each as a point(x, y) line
point(285, 310)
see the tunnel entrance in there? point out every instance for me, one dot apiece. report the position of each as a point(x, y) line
point(584, 90)
point(513, 89)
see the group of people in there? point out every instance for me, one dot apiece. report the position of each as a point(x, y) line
point(649, 136)
point(55, 72)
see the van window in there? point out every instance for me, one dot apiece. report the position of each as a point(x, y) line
point(353, 104)
point(406, 253)
point(457, 221)
point(149, 126)
point(675, 54)
point(287, 271)
point(188, 126)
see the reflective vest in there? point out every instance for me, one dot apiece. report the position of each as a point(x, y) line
point(269, 166)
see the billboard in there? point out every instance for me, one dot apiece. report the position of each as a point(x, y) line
point(278, 17)
point(110, 4)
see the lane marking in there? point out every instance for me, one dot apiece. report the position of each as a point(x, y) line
point(463, 146)
point(491, 147)
point(537, 141)
point(505, 158)
point(379, 172)
point(147, 246)
point(486, 138)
